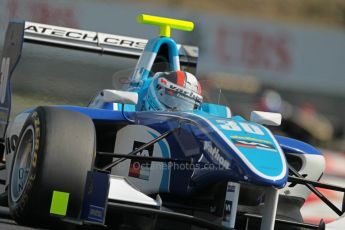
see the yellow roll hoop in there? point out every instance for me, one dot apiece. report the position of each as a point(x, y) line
point(165, 24)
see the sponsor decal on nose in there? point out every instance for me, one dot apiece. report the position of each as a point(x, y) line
point(214, 152)
point(254, 145)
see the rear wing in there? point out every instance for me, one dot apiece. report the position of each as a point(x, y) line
point(19, 32)
point(90, 41)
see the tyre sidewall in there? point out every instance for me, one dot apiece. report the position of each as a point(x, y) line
point(24, 205)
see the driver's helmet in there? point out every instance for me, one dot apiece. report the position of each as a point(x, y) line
point(173, 91)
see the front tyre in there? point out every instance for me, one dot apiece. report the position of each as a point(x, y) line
point(55, 149)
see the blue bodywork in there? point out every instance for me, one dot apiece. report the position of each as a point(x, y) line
point(290, 145)
point(206, 135)
point(240, 150)
point(222, 147)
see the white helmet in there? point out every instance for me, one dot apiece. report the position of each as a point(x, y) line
point(176, 90)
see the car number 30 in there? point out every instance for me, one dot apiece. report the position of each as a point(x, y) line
point(240, 126)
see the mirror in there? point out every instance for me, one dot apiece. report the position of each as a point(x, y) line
point(118, 96)
point(266, 118)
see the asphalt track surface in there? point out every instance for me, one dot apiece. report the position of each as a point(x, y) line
point(6, 223)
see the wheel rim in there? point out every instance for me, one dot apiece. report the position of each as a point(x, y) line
point(22, 163)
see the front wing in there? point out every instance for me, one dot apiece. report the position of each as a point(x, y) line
point(105, 192)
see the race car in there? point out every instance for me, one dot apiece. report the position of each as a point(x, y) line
point(156, 156)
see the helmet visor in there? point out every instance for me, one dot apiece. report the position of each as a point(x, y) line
point(177, 98)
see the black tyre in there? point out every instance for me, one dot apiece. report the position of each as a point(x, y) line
point(55, 149)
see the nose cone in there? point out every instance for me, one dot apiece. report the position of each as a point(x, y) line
point(248, 146)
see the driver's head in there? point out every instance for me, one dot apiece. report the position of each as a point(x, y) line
point(174, 91)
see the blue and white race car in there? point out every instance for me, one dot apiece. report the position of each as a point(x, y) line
point(155, 156)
